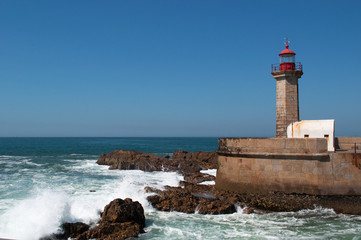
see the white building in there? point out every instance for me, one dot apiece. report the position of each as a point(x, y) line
point(313, 129)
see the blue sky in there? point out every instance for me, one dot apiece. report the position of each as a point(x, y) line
point(173, 67)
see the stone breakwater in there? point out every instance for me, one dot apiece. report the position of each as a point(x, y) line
point(191, 197)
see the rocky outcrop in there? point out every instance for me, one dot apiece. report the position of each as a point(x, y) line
point(205, 199)
point(205, 160)
point(127, 160)
point(72, 230)
point(119, 211)
point(191, 198)
point(121, 219)
point(198, 177)
point(69, 230)
point(182, 161)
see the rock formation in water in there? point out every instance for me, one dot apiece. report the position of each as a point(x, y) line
point(205, 199)
point(121, 219)
point(190, 198)
point(181, 161)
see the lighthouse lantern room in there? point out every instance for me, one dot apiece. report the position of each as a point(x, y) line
point(287, 59)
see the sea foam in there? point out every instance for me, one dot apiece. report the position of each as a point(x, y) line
point(65, 199)
point(36, 216)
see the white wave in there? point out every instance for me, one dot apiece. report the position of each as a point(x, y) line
point(207, 183)
point(72, 160)
point(241, 210)
point(35, 217)
point(29, 162)
point(86, 164)
point(317, 211)
point(212, 172)
point(42, 212)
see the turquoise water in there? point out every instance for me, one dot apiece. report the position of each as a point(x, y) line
point(45, 181)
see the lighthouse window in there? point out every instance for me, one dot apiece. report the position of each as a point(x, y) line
point(287, 58)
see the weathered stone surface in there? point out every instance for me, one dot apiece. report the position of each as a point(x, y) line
point(198, 177)
point(69, 230)
point(191, 198)
point(314, 173)
point(126, 160)
point(121, 219)
point(111, 231)
point(126, 210)
point(205, 199)
point(73, 229)
point(181, 161)
point(206, 160)
point(287, 107)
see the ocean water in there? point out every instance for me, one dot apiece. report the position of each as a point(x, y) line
point(46, 181)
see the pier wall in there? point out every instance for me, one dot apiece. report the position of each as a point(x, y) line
point(348, 143)
point(286, 165)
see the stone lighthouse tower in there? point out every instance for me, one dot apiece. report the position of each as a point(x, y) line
point(287, 73)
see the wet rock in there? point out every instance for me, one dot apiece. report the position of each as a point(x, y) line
point(342, 204)
point(205, 199)
point(110, 231)
point(127, 160)
point(279, 202)
point(72, 230)
point(205, 160)
point(120, 210)
point(190, 198)
point(215, 206)
point(198, 177)
point(182, 161)
point(68, 230)
point(121, 219)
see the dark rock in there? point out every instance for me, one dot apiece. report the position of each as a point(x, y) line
point(127, 160)
point(73, 229)
point(68, 230)
point(198, 177)
point(181, 161)
point(190, 198)
point(342, 204)
point(121, 219)
point(205, 160)
point(111, 231)
point(205, 199)
point(119, 211)
point(210, 206)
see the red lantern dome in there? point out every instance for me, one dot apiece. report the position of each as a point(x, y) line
point(287, 61)
point(287, 51)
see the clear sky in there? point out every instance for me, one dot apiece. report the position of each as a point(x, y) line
point(173, 67)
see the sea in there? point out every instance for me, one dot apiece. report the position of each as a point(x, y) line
point(47, 181)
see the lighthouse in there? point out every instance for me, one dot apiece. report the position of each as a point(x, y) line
point(286, 73)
